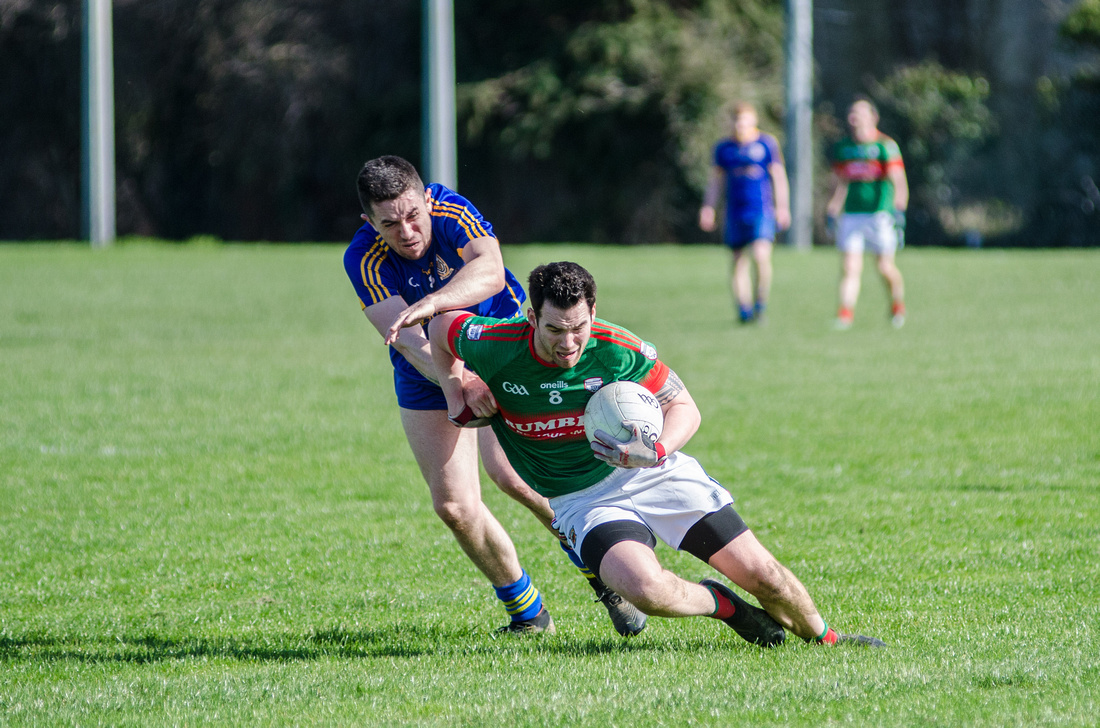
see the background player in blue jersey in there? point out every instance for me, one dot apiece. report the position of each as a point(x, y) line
point(750, 166)
point(423, 250)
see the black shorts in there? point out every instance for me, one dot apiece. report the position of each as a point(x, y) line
point(708, 536)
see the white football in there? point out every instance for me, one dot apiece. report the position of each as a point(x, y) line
point(619, 402)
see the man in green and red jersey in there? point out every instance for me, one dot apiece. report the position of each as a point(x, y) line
point(870, 188)
point(612, 499)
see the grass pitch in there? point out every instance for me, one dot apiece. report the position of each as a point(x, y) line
point(209, 514)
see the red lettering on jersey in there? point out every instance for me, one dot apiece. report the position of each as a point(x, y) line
point(546, 426)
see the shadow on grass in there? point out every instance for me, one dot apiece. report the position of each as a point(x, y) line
point(401, 640)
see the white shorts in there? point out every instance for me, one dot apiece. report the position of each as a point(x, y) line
point(668, 500)
point(873, 230)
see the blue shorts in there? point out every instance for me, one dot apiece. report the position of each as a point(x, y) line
point(417, 393)
point(740, 233)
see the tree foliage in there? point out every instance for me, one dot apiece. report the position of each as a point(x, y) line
point(941, 118)
point(627, 108)
point(579, 119)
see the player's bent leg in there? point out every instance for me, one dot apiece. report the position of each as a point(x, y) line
point(746, 562)
point(626, 620)
point(631, 569)
point(447, 457)
point(502, 473)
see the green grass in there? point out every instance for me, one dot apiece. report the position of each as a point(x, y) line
point(209, 514)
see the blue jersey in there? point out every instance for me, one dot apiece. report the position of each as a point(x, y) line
point(378, 273)
point(748, 181)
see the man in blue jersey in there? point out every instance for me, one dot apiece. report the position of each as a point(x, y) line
point(750, 166)
point(613, 499)
point(423, 250)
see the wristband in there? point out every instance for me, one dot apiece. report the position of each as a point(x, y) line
point(661, 455)
point(466, 418)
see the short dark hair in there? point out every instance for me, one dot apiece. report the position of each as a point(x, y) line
point(386, 178)
point(562, 284)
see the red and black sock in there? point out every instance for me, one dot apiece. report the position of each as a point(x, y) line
point(724, 608)
point(827, 637)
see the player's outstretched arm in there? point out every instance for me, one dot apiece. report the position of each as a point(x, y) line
point(410, 343)
point(480, 277)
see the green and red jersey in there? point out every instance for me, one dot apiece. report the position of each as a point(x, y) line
point(865, 168)
point(540, 423)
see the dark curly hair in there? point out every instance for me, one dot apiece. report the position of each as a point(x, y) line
point(562, 284)
point(386, 178)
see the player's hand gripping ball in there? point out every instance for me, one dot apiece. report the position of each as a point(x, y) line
point(623, 421)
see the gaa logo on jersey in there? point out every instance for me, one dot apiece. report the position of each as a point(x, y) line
point(474, 332)
point(442, 268)
point(593, 383)
point(649, 352)
point(756, 152)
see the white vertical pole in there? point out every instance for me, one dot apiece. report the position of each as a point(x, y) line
point(438, 135)
point(799, 120)
point(99, 124)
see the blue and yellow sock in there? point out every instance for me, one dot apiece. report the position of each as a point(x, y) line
point(521, 599)
point(593, 580)
point(576, 560)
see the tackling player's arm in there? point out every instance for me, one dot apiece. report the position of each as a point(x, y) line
point(409, 342)
point(480, 277)
point(461, 387)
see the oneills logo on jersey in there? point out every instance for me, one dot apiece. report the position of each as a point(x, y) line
point(443, 270)
point(649, 352)
point(593, 383)
point(474, 332)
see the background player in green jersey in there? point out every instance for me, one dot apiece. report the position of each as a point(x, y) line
point(870, 195)
point(612, 499)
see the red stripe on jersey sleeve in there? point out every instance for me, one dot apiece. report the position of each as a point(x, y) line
point(656, 377)
point(505, 332)
point(452, 332)
point(617, 335)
